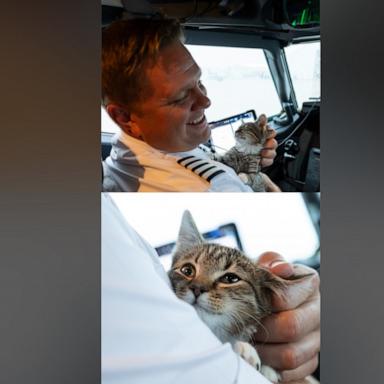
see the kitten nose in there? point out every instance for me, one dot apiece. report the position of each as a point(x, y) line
point(197, 291)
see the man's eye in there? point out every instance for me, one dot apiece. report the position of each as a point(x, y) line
point(188, 270)
point(229, 278)
point(181, 99)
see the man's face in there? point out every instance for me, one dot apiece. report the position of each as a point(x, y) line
point(172, 117)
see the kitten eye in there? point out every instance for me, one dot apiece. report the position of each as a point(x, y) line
point(229, 278)
point(188, 270)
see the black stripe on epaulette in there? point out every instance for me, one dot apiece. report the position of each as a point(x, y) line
point(191, 162)
point(185, 158)
point(215, 174)
point(203, 168)
point(206, 170)
point(198, 166)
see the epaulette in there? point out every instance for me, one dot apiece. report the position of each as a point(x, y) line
point(201, 167)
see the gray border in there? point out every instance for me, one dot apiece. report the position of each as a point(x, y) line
point(50, 240)
point(50, 201)
point(351, 193)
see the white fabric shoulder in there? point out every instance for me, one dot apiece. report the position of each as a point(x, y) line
point(135, 166)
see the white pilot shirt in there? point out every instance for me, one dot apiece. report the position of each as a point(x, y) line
point(148, 335)
point(135, 166)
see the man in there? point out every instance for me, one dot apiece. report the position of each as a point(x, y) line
point(151, 337)
point(151, 88)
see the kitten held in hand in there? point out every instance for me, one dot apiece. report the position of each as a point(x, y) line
point(245, 157)
point(230, 293)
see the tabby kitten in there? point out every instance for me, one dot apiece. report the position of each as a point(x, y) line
point(245, 157)
point(230, 293)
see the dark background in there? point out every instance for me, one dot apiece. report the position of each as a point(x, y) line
point(50, 193)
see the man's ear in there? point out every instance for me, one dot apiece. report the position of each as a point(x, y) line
point(124, 120)
point(118, 114)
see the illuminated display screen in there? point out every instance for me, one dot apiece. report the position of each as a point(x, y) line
point(223, 131)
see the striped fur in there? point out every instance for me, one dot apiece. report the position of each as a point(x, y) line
point(245, 157)
point(204, 275)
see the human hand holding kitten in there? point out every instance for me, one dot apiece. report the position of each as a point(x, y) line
point(293, 340)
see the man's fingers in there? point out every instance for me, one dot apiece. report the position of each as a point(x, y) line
point(275, 263)
point(271, 135)
point(268, 153)
point(265, 162)
point(289, 339)
point(290, 356)
point(307, 380)
point(270, 186)
point(291, 376)
point(271, 143)
point(267, 156)
point(291, 325)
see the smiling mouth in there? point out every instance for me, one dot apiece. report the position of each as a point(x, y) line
point(197, 121)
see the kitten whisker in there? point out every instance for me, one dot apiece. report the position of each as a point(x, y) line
point(257, 321)
point(238, 323)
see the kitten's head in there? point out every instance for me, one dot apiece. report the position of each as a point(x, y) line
point(255, 133)
point(229, 292)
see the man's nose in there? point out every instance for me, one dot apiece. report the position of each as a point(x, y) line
point(202, 101)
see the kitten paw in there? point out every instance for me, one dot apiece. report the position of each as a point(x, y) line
point(270, 374)
point(248, 353)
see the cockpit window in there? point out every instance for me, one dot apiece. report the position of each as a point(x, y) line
point(237, 80)
point(304, 67)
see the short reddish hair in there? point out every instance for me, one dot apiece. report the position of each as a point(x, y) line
point(129, 47)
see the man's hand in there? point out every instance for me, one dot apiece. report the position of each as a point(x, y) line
point(270, 186)
point(289, 340)
point(269, 151)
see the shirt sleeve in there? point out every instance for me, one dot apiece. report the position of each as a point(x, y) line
point(149, 336)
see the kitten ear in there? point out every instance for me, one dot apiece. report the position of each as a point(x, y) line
point(262, 120)
point(268, 285)
point(189, 235)
point(272, 282)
